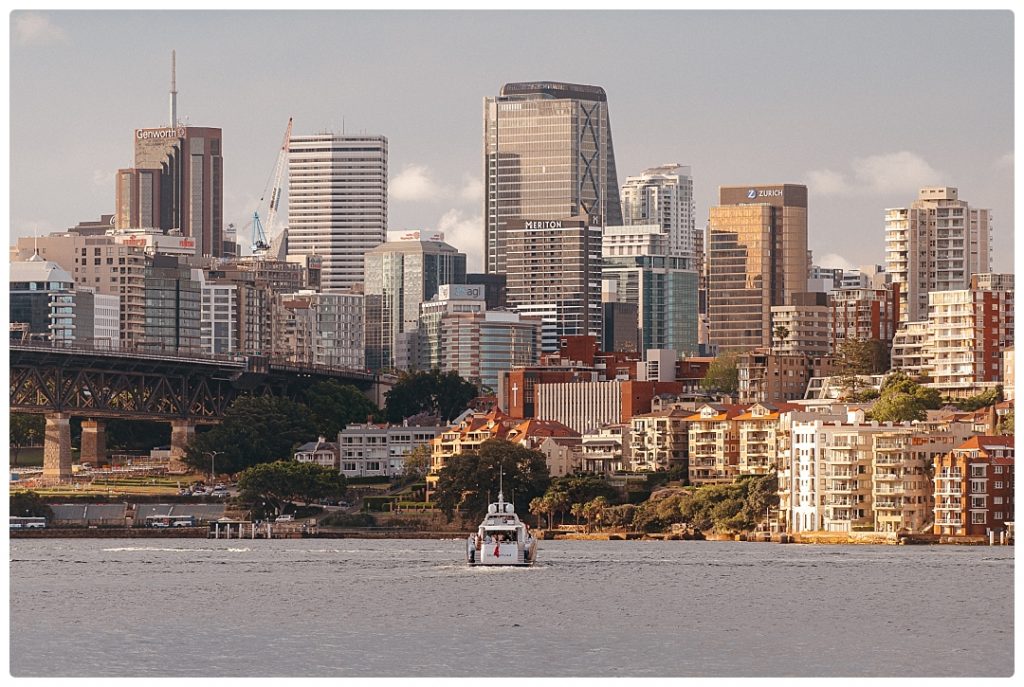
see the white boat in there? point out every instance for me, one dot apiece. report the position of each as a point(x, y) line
point(502, 538)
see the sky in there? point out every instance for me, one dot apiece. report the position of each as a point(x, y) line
point(862, 107)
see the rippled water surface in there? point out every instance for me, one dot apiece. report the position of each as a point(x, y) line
point(332, 607)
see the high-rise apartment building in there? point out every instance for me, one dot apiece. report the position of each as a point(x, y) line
point(664, 196)
point(639, 259)
point(400, 275)
point(337, 202)
point(547, 155)
point(936, 244)
point(757, 258)
point(554, 273)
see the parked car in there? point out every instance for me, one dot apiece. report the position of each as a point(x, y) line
point(285, 518)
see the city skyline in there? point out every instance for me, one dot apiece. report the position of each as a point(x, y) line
point(858, 120)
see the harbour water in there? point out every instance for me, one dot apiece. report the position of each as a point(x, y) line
point(103, 607)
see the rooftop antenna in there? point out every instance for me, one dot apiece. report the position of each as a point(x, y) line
point(174, 93)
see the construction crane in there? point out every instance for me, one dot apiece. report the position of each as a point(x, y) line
point(260, 237)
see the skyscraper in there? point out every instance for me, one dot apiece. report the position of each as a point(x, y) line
point(554, 273)
point(664, 196)
point(935, 245)
point(638, 257)
point(757, 258)
point(400, 275)
point(547, 156)
point(337, 202)
point(177, 183)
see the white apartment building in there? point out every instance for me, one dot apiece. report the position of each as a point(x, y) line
point(659, 441)
point(606, 449)
point(936, 244)
point(380, 450)
point(337, 202)
point(218, 321)
point(320, 328)
point(664, 196)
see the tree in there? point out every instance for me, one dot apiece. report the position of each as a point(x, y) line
point(781, 333)
point(468, 480)
point(26, 430)
point(335, 405)
point(897, 407)
point(541, 505)
point(28, 504)
point(902, 399)
point(856, 358)
point(593, 511)
point(286, 481)
point(255, 429)
point(443, 394)
point(723, 374)
point(982, 400)
point(416, 463)
point(579, 488)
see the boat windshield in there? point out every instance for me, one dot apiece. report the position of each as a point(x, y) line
point(500, 535)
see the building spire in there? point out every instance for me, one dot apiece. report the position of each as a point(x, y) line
point(174, 93)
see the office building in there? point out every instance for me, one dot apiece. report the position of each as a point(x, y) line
point(936, 244)
point(553, 269)
point(639, 259)
point(547, 155)
point(664, 196)
point(337, 202)
point(458, 333)
point(173, 302)
point(400, 275)
point(176, 185)
point(757, 258)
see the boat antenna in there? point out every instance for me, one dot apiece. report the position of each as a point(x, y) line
point(501, 479)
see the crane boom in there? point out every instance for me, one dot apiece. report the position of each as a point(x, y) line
point(262, 238)
point(275, 194)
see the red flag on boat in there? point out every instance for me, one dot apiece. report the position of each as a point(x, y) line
point(497, 548)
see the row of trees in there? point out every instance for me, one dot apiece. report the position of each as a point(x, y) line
point(267, 488)
point(260, 429)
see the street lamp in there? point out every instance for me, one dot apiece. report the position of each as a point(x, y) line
point(213, 456)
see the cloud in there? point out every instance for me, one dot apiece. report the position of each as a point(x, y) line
point(417, 183)
point(466, 234)
point(1005, 160)
point(103, 177)
point(834, 260)
point(413, 183)
point(472, 189)
point(888, 173)
point(31, 28)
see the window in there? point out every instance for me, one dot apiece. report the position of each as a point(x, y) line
point(998, 469)
point(999, 515)
point(999, 485)
point(977, 518)
point(978, 485)
point(998, 500)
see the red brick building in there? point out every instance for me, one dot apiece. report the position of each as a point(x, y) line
point(974, 487)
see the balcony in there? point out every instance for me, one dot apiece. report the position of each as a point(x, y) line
point(888, 504)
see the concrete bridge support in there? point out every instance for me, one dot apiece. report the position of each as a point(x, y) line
point(94, 442)
point(57, 448)
point(182, 432)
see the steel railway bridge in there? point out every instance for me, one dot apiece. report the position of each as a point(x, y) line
point(184, 390)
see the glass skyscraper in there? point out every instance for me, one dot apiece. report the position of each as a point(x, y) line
point(547, 155)
point(757, 258)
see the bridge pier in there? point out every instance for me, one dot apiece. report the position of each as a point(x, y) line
point(57, 448)
point(182, 432)
point(94, 442)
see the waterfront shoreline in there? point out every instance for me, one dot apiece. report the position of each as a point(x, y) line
point(819, 538)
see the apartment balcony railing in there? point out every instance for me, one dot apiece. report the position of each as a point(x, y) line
point(889, 458)
point(888, 504)
point(940, 491)
point(948, 506)
point(950, 522)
